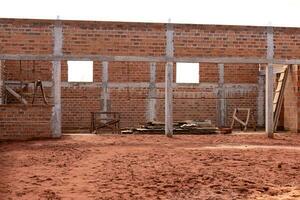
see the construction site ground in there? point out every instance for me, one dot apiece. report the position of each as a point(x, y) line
point(85, 166)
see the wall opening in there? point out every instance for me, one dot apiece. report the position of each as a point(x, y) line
point(80, 71)
point(187, 72)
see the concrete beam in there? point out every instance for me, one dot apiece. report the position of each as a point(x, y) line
point(239, 60)
point(56, 77)
point(151, 113)
point(169, 82)
point(229, 87)
point(269, 84)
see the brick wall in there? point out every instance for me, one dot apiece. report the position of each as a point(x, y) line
point(129, 81)
point(1, 80)
point(291, 99)
point(25, 122)
point(209, 40)
point(26, 36)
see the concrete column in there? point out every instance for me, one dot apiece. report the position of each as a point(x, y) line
point(56, 78)
point(105, 93)
point(151, 114)
point(269, 84)
point(169, 82)
point(169, 100)
point(261, 101)
point(221, 108)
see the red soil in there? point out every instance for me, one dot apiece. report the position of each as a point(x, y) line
point(152, 167)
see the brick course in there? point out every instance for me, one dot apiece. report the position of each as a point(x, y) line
point(25, 122)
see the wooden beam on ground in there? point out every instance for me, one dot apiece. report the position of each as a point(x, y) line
point(269, 84)
point(169, 82)
point(56, 77)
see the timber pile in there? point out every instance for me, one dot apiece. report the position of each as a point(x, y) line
point(180, 127)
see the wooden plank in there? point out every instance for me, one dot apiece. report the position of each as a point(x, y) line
point(276, 97)
point(279, 85)
point(280, 98)
point(16, 95)
point(281, 77)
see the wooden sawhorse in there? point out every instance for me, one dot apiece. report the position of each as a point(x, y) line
point(244, 124)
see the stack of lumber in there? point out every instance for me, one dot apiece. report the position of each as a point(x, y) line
point(180, 127)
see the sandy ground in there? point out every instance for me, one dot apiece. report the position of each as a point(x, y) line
point(152, 167)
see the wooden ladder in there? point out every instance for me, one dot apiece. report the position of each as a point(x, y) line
point(279, 93)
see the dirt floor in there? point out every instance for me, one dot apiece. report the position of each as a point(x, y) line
point(211, 167)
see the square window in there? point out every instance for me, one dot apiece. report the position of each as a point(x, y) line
point(80, 71)
point(187, 72)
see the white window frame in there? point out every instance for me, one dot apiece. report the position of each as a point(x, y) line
point(187, 73)
point(80, 71)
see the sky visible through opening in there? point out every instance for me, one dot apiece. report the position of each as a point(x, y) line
point(233, 12)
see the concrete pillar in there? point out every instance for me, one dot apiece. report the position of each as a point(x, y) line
point(261, 101)
point(221, 107)
point(56, 78)
point(169, 100)
point(269, 101)
point(169, 82)
point(105, 93)
point(151, 114)
point(269, 84)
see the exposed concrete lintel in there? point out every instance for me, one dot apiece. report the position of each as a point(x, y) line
point(241, 60)
point(242, 87)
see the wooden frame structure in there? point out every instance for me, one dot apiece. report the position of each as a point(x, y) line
point(110, 120)
point(244, 124)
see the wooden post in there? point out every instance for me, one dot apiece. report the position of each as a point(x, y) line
point(269, 84)
point(169, 82)
point(56, 77)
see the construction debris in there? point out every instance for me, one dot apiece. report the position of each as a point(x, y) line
point(180, 127)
